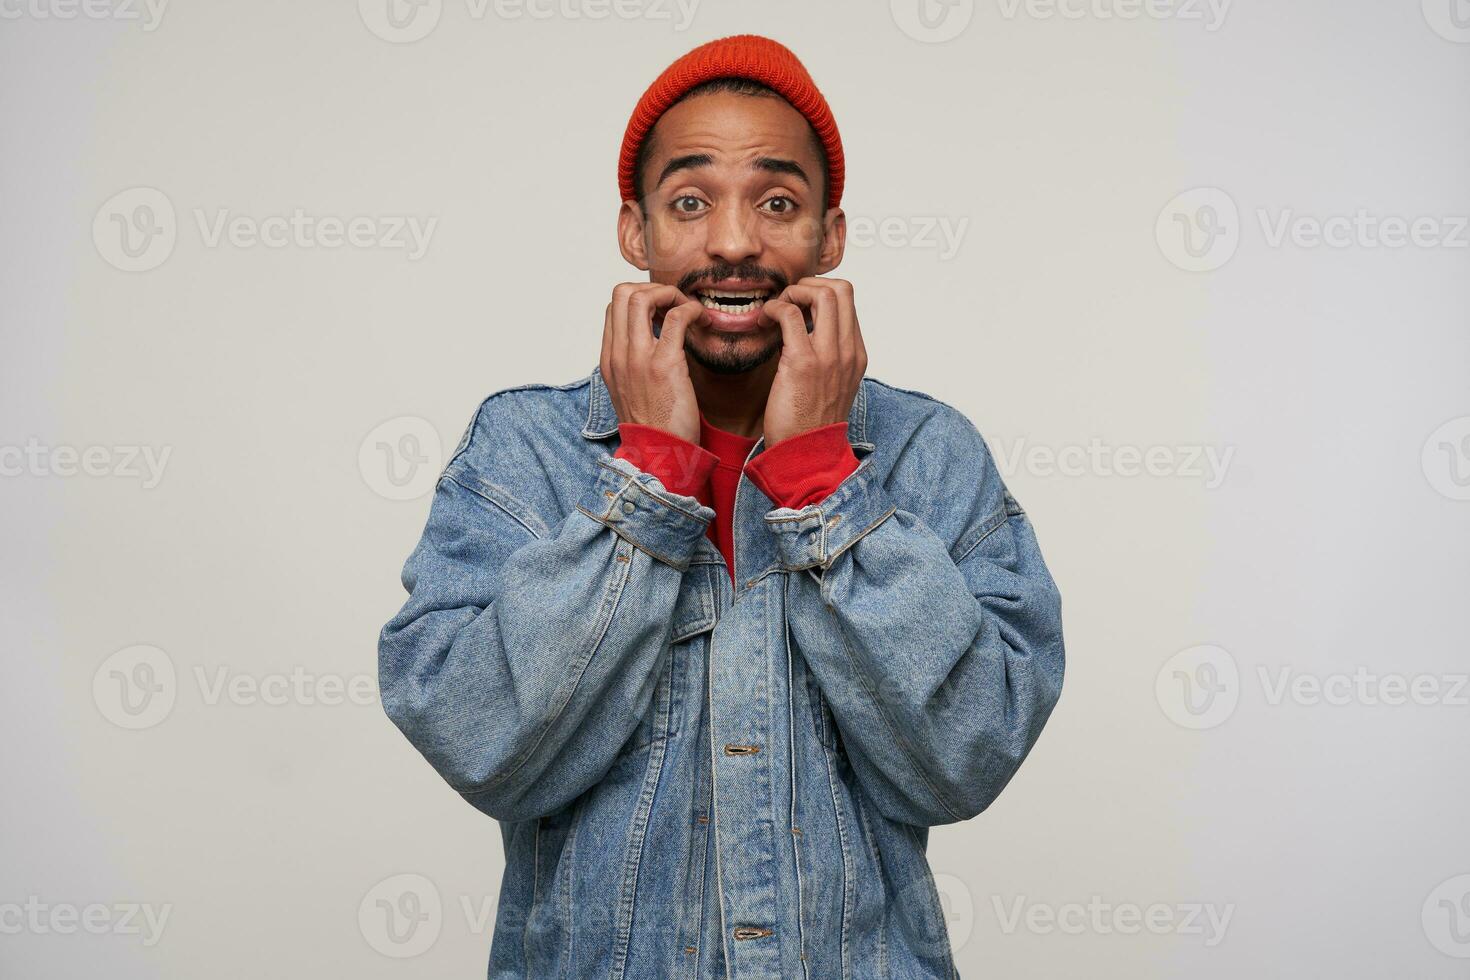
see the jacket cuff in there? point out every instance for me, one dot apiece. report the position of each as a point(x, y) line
point(637, 507)
point(805, 468)
point(815, 535)
point(680, 465)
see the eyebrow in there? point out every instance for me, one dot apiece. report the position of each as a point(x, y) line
point(774, 165)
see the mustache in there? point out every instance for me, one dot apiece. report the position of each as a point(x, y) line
point(726, 270)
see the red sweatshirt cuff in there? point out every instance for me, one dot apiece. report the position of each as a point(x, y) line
point(680, 465)
point(805, 468)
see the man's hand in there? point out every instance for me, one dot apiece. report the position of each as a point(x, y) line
point(648, 376)
point(819, 373)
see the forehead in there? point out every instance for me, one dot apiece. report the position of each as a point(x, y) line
point(734, 128)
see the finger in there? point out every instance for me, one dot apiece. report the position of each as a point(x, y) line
point(641, 308)
point(822, 302)
point(789, 317)
point(676, 322)
point(606, 340)
point(619, 353)
point(847, 322)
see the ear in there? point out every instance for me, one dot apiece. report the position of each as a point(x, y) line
point(630, 235)
point(834, 240)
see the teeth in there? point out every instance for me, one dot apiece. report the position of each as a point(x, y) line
point(737, 293)
point(733, 301)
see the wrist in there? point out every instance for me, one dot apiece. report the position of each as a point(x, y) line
point(804, 468)
point(682, 466)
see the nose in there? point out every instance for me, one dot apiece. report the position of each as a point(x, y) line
point(732, 235)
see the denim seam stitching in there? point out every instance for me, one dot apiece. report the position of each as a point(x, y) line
point(898, 738)
point(493, 502)
point(637, 837)
point(612, 592)
point(864, 823)
point(847, 894)
point(791, 756)
point(892, 508)
point(571, 848)
point(468, 439)
point(982, 529)
point(632, 480)
point(616, 528)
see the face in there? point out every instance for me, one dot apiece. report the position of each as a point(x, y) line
point(732, 214)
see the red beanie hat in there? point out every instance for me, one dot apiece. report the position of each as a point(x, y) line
point(740, 56)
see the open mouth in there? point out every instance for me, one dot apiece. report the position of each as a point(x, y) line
point(733, 300)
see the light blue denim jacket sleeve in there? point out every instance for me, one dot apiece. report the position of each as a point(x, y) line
point(526, 655)
point(938, 645)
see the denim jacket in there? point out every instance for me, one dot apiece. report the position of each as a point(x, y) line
point(700, 779)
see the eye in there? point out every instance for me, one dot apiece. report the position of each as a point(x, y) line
point(780, 204)
point(687, 204)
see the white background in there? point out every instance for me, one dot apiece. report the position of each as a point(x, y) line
point(1068, 320)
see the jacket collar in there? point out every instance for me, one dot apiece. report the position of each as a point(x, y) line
point(602, 420)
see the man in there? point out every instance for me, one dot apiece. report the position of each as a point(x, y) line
point(719, 630)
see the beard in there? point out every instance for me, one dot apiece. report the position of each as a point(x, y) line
point(721, 354)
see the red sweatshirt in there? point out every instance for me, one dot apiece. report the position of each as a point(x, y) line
point(794, 472)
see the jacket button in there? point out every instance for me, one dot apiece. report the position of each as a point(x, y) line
point(629, 507)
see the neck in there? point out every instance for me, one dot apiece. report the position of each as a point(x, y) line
point(734, 402)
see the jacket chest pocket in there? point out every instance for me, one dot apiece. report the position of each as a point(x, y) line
point(693, 618)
